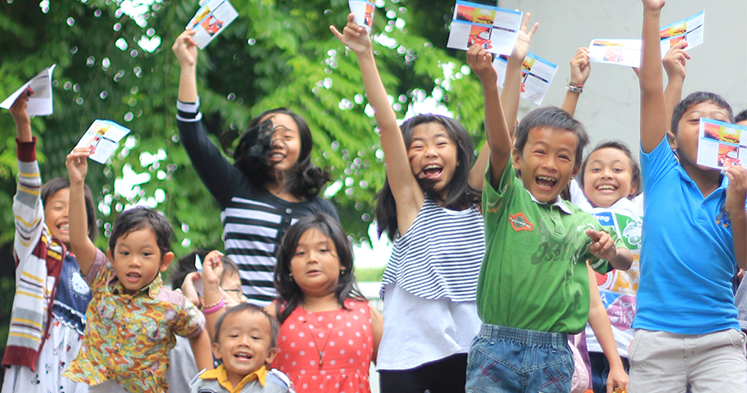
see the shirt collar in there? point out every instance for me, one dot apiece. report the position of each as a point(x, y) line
point(221, 376)
point(152, 288)
point(558, 202)
point(683, 174)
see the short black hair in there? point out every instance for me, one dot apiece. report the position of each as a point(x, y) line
point(138, 218)
point(635, 169)
point(741, 116)
point(557, 119)
point(186, 265)
point(51, 187)
point(252, 308)
point(695, 99)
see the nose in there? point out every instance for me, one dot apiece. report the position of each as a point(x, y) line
point(549, 163)
point(606, 173)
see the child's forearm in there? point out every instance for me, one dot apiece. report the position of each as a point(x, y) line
point(623, 260)
point(570, 101)
point(201, 350)
point(24, 131)
point(213, 296)
point(477, 173)
point(672, 95)
point(739, 235)
point(496, 131)
point(386, 119)
point(600, 323)
point(188, 84)
point(82, 246)
point(511, 94)
point(653, 106)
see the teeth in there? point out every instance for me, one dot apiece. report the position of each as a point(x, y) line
point(433, 166)
point(605, 187)
point(545, 178)
point(63, 226)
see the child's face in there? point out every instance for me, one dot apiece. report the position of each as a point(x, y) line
point(433, 155)
point(688, 130)
point(137, 260)
point(55, 215)
point(315, 266)
point(286, 142)
point(244, 344)
point(547, 162)
point(231, 285)
point(608, 177)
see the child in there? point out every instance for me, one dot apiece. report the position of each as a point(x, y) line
point(429, 284)
point(271, 183)
point(533, 285)
point(182, 366)
point(47, 322)
point(246, 342)
point(686, 322)
point(328, 334)
point(132, 319)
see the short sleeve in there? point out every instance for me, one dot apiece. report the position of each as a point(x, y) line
point(97, 272)
point(491, 197)
point(656, 164)
point(190, 322)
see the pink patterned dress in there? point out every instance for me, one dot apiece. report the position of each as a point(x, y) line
point(327, 351)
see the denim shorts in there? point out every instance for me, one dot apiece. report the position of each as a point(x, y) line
point(504, 359)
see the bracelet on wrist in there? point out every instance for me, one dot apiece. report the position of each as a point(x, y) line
point(575, 87)
point(214, 307)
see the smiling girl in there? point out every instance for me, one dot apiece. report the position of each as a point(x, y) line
point(429, 285)
point(270, 184)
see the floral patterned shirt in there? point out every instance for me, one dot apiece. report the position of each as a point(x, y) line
point(128, 337)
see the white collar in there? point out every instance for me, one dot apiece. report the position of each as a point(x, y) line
point(558, 202)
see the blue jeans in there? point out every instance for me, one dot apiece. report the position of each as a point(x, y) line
point(504, 359)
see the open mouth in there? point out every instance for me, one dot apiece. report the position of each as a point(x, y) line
point(545, 183)
point(432, 171)
point(133, 277)
point(243, 356)
point(606, 188)
point(275, 156)
point(63, 227)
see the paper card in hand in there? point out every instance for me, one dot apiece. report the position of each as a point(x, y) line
point(536, 76)
point(40, 94)
point(102, 138)
point(721, 145)
point(494, 28)
point(363, 10)
point(210, 20)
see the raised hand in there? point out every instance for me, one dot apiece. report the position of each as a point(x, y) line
point(521, 47)
point(736, 192)
point(77, 164)
point(653, 5)
point(212, 270)
point(675, 61)
point(580, 66)
point(353, 36)
point(185, 49)
point(18, 109)
point(481, 63)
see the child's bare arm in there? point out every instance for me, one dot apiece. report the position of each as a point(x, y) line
point(580, 70)
point(407, 193)
point(600, 324)
point(377, 327)
point(653, 105)
point(212, 271)
point(186, 53)
point(496, 130)
point(674, 64)
point(83, 247)
point(736, 195)
point(201, 350)
point(21, 118)
point(603, 247)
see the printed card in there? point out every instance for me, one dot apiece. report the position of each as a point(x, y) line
point(494, 28)
point(102, 138)
point(363, 11)
point(721, 144)
point(536, 76)
point(39, 89)
point(211, 19)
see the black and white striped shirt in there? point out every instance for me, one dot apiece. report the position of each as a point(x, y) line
point(254, 220)
point(440, 255)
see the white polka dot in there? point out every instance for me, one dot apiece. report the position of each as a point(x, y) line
point(332, 362)
point(313, 376)
point(321, 386)
point(355, 317)
point(305, 386)
point(300, 318)
point(339, 333)
point(292, 326)
point(283, 337)
point(342, 352)
point(342, 370)
point(364, 345)
point(300, 334)
point(348, 324)
point(357, 370)
point(311, 362)
point(293, 345)
point(293, 363)
point(357, 334)
point(337, 385)
point(359, 353)
point(302, 353)
point(322, 372)
point(364, 327)
point(331, 343)
point(351, 361)
point(350, 342)
point(363, 310)
point(321, 335)
point(329, 377)
point(311, 344)
point(311, 326)
point(329, 326)
point(286, 356)
point(282, 368)
point(339, 317)
point(320, 318)
point(303, 371)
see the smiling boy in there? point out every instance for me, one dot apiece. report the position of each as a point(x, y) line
point(533, 287)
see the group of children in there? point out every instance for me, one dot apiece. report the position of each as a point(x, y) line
point(482, 293)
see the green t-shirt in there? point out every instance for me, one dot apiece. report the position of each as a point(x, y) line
point(533, 275)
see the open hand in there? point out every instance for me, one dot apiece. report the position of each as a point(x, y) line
point(77, 164)
point(580, 66)
point(189, 290)
point(521, 47)
point(481, 63)
point(602, 245)
point(736, 192)
point(675, 60)
point(354, 36)
point(185, 49)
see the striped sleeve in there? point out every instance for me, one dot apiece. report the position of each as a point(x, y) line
point(27, 204)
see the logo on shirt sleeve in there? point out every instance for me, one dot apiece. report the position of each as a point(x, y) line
point(520, 223)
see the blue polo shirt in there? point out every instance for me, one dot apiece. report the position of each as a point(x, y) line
point(687, 253)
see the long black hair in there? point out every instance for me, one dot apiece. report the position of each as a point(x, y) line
point(58, 183)
point(460, 196)
point(304, 180)
point(290, 295)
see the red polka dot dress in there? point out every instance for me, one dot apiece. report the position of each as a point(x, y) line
point(327, 351)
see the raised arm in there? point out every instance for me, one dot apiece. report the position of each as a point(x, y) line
point(83, 247)
point(407, 193)
point(186, 53)
point(653, 105)
point(496, 130)
point(675, 65)
point(21, 118)
point(580, 70)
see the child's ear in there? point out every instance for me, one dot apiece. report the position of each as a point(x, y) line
point(216, 350)
point(575, 170)
point(672, 139)
point(166, 261)
point(271, 355)
point(516, 157)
